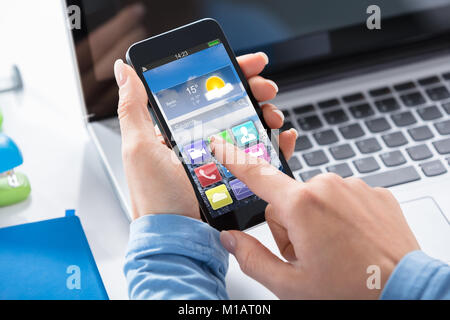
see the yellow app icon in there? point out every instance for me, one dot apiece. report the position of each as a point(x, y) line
point(219, 197)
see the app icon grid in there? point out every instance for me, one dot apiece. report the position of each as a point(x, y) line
point(255, 135)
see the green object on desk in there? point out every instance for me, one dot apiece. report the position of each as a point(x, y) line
point(14, 194)
point(1, 119)
point(14, 187)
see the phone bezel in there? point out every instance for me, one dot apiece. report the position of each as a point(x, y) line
point(161, 46)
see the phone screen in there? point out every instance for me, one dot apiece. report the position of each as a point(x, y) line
point(200, 95)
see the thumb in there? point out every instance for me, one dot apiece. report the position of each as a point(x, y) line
point(257, 261)
point(133, 113)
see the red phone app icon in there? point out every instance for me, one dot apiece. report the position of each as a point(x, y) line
point(208, 174)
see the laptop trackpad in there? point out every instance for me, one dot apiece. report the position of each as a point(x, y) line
point(430, 227)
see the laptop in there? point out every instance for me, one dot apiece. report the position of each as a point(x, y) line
point(367, 102)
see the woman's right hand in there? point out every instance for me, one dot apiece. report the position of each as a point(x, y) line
point(329, 230)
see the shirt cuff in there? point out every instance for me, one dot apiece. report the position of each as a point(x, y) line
point(411, 277)
point(179, 235)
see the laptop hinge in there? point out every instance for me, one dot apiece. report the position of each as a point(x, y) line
point(332, 70)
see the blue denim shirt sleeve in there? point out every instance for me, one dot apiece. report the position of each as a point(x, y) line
point(418, 276)
point(174, 257)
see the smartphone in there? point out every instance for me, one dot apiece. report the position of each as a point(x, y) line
point(196, 90)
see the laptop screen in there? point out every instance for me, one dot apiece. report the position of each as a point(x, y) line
point(291, 32)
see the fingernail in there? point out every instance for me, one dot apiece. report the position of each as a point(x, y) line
point(280, 114)
point(217, 139)
point(228, 241)
point(264, 55)
point(119, 72)
point(295, 132)
point(273, 84)
point(213, 141)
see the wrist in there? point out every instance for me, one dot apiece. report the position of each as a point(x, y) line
point(155, 209)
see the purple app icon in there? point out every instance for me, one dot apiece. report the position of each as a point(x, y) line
point(240, 190)
point(197, 152)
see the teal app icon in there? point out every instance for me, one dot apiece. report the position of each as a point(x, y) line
point(245, 134)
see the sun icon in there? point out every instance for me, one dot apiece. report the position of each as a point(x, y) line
point(216, 88)
point(214, 82)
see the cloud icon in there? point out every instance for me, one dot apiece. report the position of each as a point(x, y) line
point(216, 88)
point(218, 197)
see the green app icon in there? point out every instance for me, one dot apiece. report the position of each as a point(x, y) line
point(225, 135)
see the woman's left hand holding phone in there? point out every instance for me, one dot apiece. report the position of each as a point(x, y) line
point(156, 178)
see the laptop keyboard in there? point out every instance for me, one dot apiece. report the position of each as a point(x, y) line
point(387, 136)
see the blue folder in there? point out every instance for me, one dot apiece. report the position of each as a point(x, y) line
point(48, 260)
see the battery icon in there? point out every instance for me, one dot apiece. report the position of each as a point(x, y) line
point(213, 43)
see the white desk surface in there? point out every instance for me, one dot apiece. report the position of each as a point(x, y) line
point(62, 164)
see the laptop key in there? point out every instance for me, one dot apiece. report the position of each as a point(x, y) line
point(366, 165)
point(294, 163)
point(335, 117)
point(429, 113)
point(353, 97)
point(302, 143)
point(446, 107)
point(392, 178)
point(428, 81)
point(315, 158)
point(377, 125)
point(341, 152)
point(363, 110)
point(420, 133)
point(404, 86)
point(413, 99)
point(309, 123)
point(341, 169)
point(446, 76)
point(380, 92)
point(442, 146)
point(325, 137)
point(387, 105)
point(420, 152)
point(328, 103)
point(443, 127)
point(351, 131)
point(304, 109)
point(394, 139)
point(368, 145)
point(403, 119)
point(438, 93)
point(393, 159)
point(433, 168)
point(307, 175)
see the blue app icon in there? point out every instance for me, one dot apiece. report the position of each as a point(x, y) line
point(245, 133)
point(225, 171)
